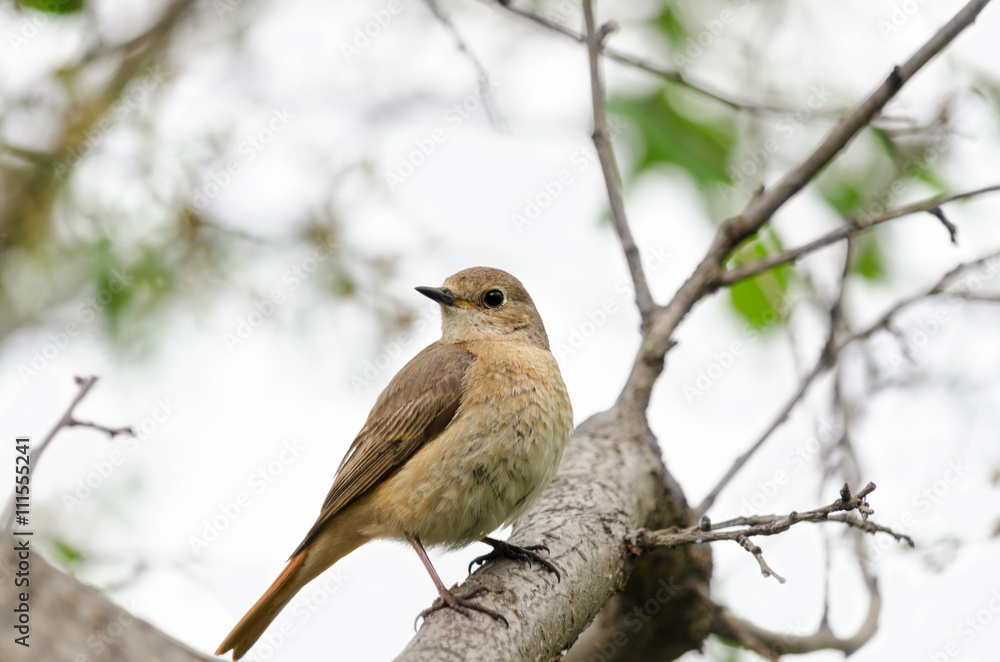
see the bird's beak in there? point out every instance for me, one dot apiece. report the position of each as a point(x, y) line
point(440, 294)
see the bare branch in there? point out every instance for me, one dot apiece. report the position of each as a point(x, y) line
point(666, 73)
point(949, 226)
point(767, 525)
point(708, 275)
point(606, 154)
point(483, 78)
point(730, 626)
point(821, 366)
point(938, 288)
point(65, 421)
point(828, 357)
point(849, 229)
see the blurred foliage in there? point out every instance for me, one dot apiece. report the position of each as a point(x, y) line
point(65, 553)
point(763, 299)
point(669, 134)
point(54, 6)
point(868, 258)
point(893, 159)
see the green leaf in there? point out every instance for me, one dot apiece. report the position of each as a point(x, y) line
point(763, 299)
point(54, 6)
point(66, 553)
point(670, 24)
point(869, 262)
point(670, 136)
point(843, 195)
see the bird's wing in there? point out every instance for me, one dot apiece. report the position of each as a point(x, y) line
point(413, 409)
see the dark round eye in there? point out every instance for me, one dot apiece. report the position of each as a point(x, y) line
point(493, 298)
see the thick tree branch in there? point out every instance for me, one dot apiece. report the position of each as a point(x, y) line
point(776, 644)
point(71, 621)
point(609, 483)
point(606, 155)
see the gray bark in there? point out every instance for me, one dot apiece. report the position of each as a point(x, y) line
point(72, 622)
point(611, 482)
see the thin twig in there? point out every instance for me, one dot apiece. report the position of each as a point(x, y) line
point(667, 74)
point(65, 421)
point(828, 358)
point(820, 367)
point(849, 229)
point(708, 276)
point(606, 155)
point(483, 78)
point(644, 540)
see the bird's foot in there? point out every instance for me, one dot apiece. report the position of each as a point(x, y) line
point(505, 550)
point(461, 604)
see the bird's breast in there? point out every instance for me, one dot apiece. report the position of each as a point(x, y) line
point(495, 457)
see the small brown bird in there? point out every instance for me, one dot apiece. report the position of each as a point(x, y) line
point(461, 442)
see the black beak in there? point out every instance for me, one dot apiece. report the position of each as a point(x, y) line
point(439, 294)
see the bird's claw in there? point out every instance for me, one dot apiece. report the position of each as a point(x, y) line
point(460, 604)
point(505, 550)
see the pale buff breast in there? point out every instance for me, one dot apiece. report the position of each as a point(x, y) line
point(493, 460)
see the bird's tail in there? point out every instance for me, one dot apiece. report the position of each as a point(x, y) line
point(330, 540)
point(252, 626)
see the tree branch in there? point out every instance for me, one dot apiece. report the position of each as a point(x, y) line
point(67, 420)
point(708, 275)
point(850, 229)
point(827, 359)
point(660, 71)
point(643, 541)
point(606, 154)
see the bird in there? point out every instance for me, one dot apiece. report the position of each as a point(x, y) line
point(460, 443)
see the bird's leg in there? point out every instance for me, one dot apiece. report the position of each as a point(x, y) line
point(449, 599)
point(505, 550)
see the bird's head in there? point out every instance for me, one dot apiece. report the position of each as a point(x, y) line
point(486, 304)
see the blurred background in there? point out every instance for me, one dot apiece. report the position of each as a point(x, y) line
point(221, 209)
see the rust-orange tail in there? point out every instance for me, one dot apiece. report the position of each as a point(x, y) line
point(252, 626)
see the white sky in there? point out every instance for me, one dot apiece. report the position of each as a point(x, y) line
point(291, 381)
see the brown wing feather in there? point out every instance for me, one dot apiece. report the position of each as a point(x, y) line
point(414, 408)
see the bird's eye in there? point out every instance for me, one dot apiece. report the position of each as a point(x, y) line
point(493, 298)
